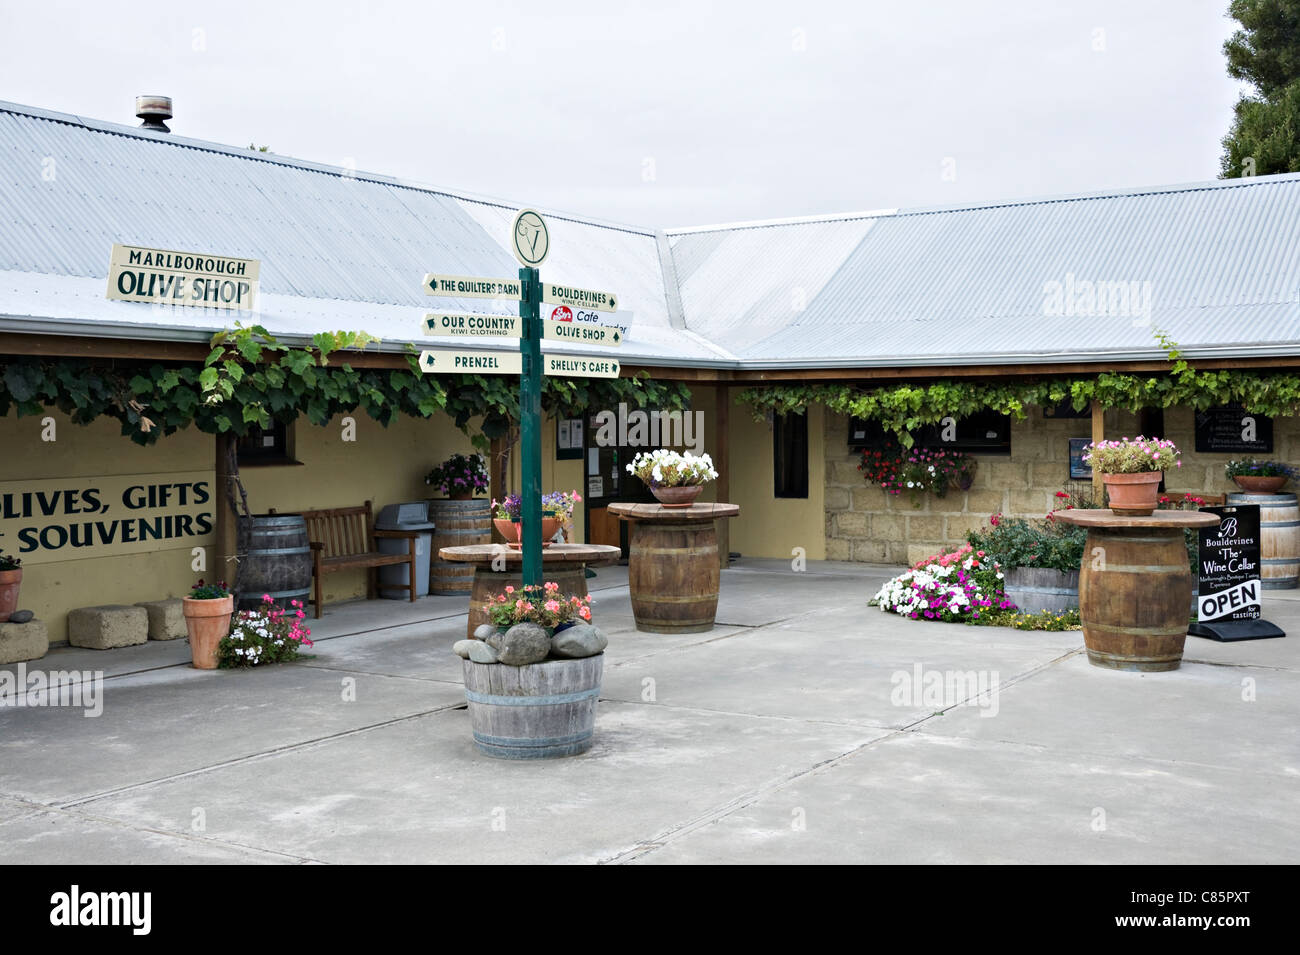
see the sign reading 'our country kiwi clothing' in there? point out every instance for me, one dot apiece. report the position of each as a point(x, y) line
point(164, 277)
point(47, 520)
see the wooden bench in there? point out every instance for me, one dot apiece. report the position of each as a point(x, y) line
point(341, 540)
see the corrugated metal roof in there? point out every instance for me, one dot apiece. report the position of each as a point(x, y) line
point(341, 249)
point(970, 284)
point(338, 249)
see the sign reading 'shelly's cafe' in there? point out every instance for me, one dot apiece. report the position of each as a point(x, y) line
point(139, 274)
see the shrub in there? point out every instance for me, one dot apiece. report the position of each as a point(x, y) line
point(1016, 542)
point(269, 635)
point(960, 587)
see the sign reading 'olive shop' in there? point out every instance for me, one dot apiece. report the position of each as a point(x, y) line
point(163, 277)
point(47, 520)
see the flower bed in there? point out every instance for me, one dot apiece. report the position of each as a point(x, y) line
point(957, 587)
point(270, 635)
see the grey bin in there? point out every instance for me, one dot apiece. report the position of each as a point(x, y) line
point(411, 516)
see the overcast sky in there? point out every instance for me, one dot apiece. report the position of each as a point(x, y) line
point(666, 114)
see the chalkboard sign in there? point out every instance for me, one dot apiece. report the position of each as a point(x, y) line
point(1228, 563)
point(1229, 429)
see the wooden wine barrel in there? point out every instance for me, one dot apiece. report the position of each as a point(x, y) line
point(1135, 589)
point(1279, 538)
point(538, 711)
point(456, 523)
point(277, 561)
point(673, 576)
point(487, 584)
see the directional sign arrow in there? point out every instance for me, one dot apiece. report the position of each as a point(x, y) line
point(467, 286)
point(463, 325)
point(581, 333)
point(472, 362)
point(567, 366)
point(554, 294)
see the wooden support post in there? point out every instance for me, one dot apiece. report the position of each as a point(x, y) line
point(722, 416)
point(226, 538)
point(1098, 435)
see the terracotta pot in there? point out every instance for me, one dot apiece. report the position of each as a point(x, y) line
point(1260, 485)
point(508, 529)
point(207, 621)
point(549, 526)
point(10, 580)
point(1134, 494)
point(677, 496)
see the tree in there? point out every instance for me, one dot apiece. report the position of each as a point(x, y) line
point(1265, 52)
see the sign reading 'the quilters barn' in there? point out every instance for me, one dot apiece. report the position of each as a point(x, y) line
point(48, 520)
point(1228, 565)
point(139, 274)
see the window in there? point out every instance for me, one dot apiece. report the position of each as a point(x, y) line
point(272, 446)
point(790, 455)
point(984, 432)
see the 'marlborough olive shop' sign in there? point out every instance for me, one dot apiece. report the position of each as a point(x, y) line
point(138, 274)
point(48, 520)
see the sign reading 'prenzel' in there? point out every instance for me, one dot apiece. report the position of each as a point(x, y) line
point(472, 362)
point(139, 274)
point(49, 519)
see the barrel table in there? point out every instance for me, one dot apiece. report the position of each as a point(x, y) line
point(1135, 586)
point(1279, 538)
point(565, 564)
point(673, 568)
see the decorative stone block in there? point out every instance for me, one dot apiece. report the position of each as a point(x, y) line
point(166, 619)
point(103, 628)
point(23, 641)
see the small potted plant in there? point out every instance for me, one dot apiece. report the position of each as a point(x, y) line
point(11, 578)
point(675, 479)
point(547, 706)
point(1131, 469)
point(1259, 477)
point(460, 477)
point(207, 618)
point(559, 505)
point(507, 516)
point(269, 635)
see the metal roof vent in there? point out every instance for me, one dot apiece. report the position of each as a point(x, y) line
point(155, 111)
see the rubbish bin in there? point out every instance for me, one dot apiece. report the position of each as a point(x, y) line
point(411, 516)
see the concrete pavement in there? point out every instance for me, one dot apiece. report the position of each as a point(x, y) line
point(799, 730)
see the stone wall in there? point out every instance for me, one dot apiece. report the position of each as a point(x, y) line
point(863, 523)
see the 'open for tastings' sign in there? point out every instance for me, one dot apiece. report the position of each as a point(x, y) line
point(1228, 564)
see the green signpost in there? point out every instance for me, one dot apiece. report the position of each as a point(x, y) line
point(531, 243)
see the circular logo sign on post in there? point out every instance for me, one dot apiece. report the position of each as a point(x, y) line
point(529, 238)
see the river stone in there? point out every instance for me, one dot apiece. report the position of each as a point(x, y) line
point(21, 616)
point(484, 630)
point(461, 648)
point(580, 640)
point(480, 652)
point(522, 644)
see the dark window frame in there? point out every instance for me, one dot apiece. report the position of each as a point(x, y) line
point(261, 455)
point(790, 456)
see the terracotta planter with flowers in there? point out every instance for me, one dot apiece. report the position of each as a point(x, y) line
point(207, 619)
point(1132, 469)
point(10, 581)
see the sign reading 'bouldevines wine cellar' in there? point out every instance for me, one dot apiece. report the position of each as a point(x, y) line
point(55, 519)
point(161, 276)
point(1228, 563)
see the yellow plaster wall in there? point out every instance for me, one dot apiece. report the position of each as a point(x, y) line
point(768, 526)
point(88, 451)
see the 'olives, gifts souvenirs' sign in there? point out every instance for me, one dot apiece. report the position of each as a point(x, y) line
point(139, 274)
point(50, 519)
point(1229, 565)
point(1229, 429)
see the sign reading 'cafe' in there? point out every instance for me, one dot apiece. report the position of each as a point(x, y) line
point(164, 277)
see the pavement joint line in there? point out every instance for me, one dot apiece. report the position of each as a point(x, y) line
point(692, 708)
point(254, 757)
point(75, 813)
point(391, 676)
point(1241, 666)
point(747, 799)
